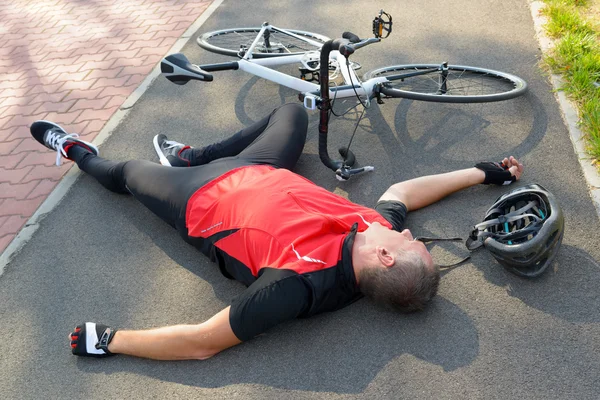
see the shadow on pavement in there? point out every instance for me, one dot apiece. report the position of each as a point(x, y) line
point(333, 352)
point(339, 352)
point(459, 135)
point(573, 277)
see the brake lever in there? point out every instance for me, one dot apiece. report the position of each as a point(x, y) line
point(346, 50)
point(344, 172)
point(364, 43)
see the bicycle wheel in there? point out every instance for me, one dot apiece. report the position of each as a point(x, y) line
point(462, 84)
point(231, 41)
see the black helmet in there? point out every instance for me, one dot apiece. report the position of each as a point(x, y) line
point(523, 230)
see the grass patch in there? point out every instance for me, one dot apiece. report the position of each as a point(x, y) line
point(576, 56)
point(570, 49)
point(564, 19)
point(590, 122)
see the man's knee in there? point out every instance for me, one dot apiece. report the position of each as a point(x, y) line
point(293, 111)
point(136, 173)
point(293, 115)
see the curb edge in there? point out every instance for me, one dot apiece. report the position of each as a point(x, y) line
point(568, 110)
point(67, 181)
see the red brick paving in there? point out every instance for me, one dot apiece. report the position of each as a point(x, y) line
point(75, 63)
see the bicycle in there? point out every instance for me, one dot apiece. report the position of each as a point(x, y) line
point(322, 58)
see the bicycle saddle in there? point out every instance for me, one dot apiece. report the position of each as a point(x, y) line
point(178, 69)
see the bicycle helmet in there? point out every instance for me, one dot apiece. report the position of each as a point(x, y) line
point(523, 230)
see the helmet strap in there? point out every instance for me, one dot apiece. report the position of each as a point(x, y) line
point(443, 267)
point(480, 232)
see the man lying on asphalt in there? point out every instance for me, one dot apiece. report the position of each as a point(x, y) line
point(298, 248)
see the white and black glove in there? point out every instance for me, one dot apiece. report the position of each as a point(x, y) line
point(91, 340)
point(496, 173)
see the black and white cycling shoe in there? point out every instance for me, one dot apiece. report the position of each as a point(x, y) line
point(54, 137)
point(169, 151)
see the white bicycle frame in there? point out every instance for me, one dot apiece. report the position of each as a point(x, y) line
point(179, 70)
point(261, 67)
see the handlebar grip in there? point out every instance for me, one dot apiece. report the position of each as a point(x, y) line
point(351, 37)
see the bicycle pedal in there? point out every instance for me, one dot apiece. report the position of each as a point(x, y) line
point(308, 75)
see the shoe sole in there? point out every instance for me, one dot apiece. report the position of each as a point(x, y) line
point(161, 157)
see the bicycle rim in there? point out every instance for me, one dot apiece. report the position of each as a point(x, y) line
point(463, 84)
point(231, 41)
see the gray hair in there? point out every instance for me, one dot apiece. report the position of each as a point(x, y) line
point(406, 286)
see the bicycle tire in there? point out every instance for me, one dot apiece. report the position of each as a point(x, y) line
point(230, 41)
point(464, 84)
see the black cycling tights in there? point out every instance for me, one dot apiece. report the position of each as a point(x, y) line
point(276, 140)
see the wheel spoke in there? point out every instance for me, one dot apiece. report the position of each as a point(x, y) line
point(230, 41)
point(462, 84)
point(459, 83)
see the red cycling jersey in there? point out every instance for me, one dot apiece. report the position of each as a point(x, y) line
point(281, 219)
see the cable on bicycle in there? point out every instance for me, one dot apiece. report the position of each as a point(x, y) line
point(345, 112)
point(352, 84)
point(341, 115)
point(355, 125)
point(353, 133)
point(333, 102)
point(361, 114)
point(360, 102)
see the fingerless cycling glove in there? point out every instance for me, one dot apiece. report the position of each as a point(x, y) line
point(496, 173)
point(91, 340)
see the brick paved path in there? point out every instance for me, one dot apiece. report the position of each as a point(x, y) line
point(74, 63)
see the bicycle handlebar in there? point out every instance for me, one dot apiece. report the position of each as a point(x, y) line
point(342, 168)
point(351, 37)
point(327, 48)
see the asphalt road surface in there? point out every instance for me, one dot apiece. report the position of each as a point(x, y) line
point(489, 335)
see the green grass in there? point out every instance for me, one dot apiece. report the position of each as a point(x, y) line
point(576, 56)
point(564, 19)
point(574, 3)
point(570, 49)
point(590, 122)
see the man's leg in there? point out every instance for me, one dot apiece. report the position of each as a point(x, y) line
point(163, 190)
point(282, 141)
point(285, 128)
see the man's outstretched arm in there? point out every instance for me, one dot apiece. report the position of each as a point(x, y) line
point(179, 342)
point(421, 192)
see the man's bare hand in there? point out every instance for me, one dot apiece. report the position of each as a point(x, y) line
point(514, 166)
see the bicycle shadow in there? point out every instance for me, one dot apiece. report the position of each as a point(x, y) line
point(251, 102)
point(459, 135)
